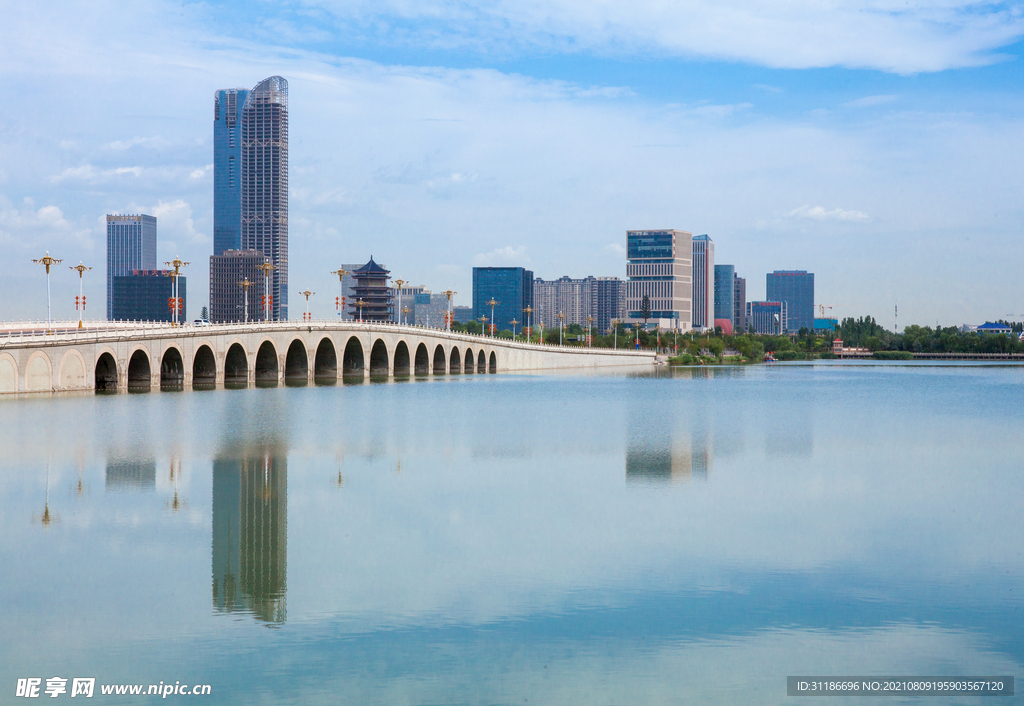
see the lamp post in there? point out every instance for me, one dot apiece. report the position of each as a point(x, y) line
point(561, 316)
point(405, 314)
point(306, 316)
point(360, 304)
point(47, 260)
point(637, 324)
point(483, 325)
point(268, 300)
point(399, 283)
point(493, 304)
point(177, 263)
point(245, 284)
point(528, 310)
point(540, 325)
point(80, 299)
point(513, 322)
point(448, 320)
point(615, 339)
point(590, 330)
point(339, 303)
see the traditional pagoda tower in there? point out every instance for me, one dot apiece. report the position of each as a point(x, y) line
point(373, 290)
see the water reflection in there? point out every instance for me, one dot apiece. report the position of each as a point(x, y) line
point(658, 451)
point(133, 475)
point(250, 534)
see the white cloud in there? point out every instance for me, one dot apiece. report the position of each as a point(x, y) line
point(89, 173)
point(870, 101)
point(506, 256)
point(121, 145)
point(818, 213)
point(200, 173)
point(174, 222)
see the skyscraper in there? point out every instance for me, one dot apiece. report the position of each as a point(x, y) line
point(144, 295)
point(251, 182)
point(725, 293)
point(796, 288)
point(511, 287)
point(227, 294)
point(576, 299)
point(703, 282)
point(659, 265)
point(767, 317)
point(739, 299)
point(131, 245)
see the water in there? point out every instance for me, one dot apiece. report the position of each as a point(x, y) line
point(693, 537)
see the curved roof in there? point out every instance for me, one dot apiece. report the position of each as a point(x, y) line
point(371, 268)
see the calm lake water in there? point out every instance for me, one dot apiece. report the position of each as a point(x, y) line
point(693, 537)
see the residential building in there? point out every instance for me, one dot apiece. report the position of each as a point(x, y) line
point(144, 295)
point(510, 287)
point(659, 265)
point(131, 245)
point(227, 169)
point(725, 292)
point(607, 301)
point(228, 293)
point(768, 317)
point(796, 288)
point(739, 301)
point(703, 267)
point(576, 299)
point(372, 300)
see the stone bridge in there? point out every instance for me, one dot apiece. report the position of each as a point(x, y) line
point(158, 356)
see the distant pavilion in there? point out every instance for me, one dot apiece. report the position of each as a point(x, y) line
point(372, 289)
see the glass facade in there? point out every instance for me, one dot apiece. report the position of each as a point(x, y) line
point(131, 246)
point(767, 317)
point(227, 295)
point(739, 298)
point(703, 282)
point(144, 295)
point(511, 287)
point(796, 288)
point(725, 292)
point(227, 166)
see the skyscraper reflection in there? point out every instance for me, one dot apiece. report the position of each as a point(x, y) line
point(131, 475)
point(250, 534)
point(659, 452)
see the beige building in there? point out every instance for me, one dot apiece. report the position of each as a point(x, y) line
point(659, 264)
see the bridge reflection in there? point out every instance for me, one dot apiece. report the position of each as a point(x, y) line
point(250, 534)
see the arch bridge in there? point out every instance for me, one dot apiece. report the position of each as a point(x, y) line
point(155, 357)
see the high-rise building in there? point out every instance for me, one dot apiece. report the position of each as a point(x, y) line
point(607, 301)
point(144, 295)
point(739, 299)
point(462, 314)
point(725, 292)
point(228, 298)
point(703, 282)
point(510, 287)
point(405, 298)
point(796, 288)
point(576, 299)
point(251, 180)
point(131, 245)
point(227, 169)
point(372, 296)
point(767, 317)
point(659, 265)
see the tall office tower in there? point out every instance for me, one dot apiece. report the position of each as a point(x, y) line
point(227, 169)
point(511, 287)
point(228, 272)
point(250, 535)
point(659, 264)
point(606, 301)
point(796, 288)
point(768, 317)
point(373, 292)
point(739, 298)
point(144, 295)
point(725, 293)
point(703, 282)
point(131, 245)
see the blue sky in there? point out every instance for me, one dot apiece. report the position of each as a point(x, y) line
point(877, 144)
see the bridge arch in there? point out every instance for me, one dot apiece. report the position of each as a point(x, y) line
point(172, 369)
point(455, 361)
point(140, 373)
point(39, 373)
point(470, 361)
point(265, 370)
point(105, 374)
point(439, 360)
point(481, 362)
point(492, 366)
point(421, 364)
point(379, 358)
point(72, 372)
point(353, 362)
point(325, 362)
point(402, 359)
point(236, 366)
point(296, 363)
point(8, 373)
point(204, 368)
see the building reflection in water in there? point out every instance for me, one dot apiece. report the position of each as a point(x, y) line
point(250, 535)
point(658, 452)
point(131, 475)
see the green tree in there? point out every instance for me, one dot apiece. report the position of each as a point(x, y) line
point(645, 309)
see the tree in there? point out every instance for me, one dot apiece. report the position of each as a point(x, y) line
point(204, 314)
point(645, 309)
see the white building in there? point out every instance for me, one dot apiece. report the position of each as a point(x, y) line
point(703, 283)
point(659, 265)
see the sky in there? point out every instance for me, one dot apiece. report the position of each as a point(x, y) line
point(876, 143)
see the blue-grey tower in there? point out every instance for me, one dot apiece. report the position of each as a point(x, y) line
point(796, 289)
point(227, 169)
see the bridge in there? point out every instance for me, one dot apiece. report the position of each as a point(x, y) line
point(151, 357)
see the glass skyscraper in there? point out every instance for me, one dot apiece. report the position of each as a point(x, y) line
point(131, 245)
point(511, 287)
point(796, 288)
point(250, 164)
point(725, 293)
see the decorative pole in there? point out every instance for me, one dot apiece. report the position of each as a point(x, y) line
point(306, 315)
point(615, 326)
point(245, 284)
point(268, 300)
point(405, 313)
point(399, 283)
point(513, 322)
point(483, 325)
point(177, 263)
point(637, 335)
point(493, 304)
point(80, 299)
point(339, 301)
point(360, 304)
point(590, 330)
point(47, 260)
point(561, 316)
point(448, 321)
point(529, 310)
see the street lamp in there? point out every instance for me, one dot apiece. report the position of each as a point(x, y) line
point(615, 327)
point(513, 322)
point(448, 320)
point(637, 324)
point(306, 316)
point(177, 264)
point(405, 314)
point(590, 330)
point(360, 304)
point(268, 300)
point(399, 283)
point(47, 260)
point(561, 316)
point(528, 310)
point(493, 304)
point(80, 299)
point(339, 302)
point(483, 324)
point(245, 284)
